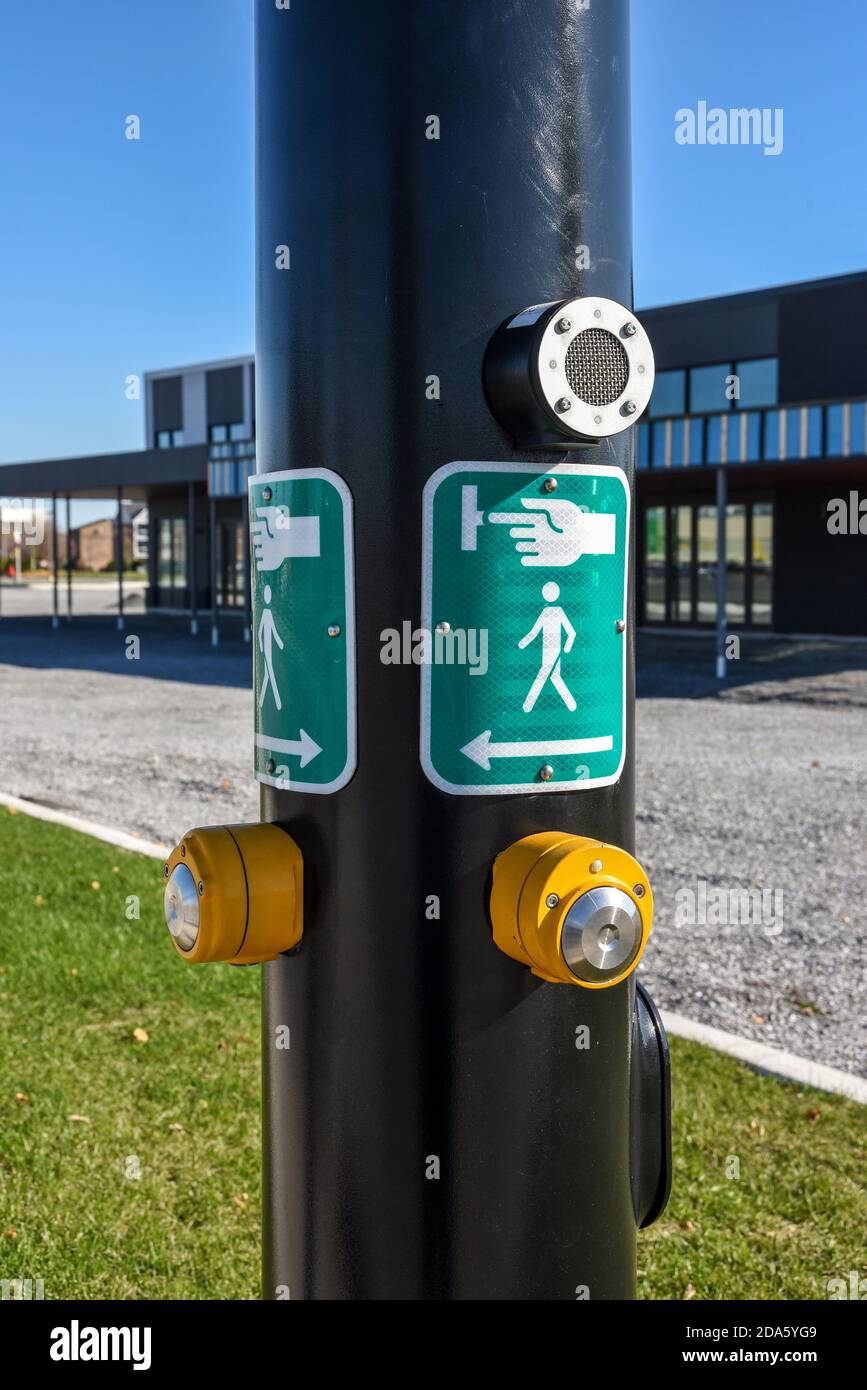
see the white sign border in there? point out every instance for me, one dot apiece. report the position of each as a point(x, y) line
point(433, 483)
point(290, 475)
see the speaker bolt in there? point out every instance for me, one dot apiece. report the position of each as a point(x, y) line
point(629, 330)
point(630, 408)
point(564, 325)
point(564, 404)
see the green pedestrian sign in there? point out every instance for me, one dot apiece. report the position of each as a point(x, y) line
point(303, 629)
point(524, 600)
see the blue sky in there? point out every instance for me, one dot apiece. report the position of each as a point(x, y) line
point(117, 256)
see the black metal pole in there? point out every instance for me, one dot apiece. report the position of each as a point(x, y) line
point(193, 557)
point(118, 550)
point(68, 558)
point(212, 562)
point(55, 614)
point(721, 570)
point(432, 1131)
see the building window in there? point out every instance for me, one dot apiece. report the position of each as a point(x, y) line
point(758, 382)
point(169, 439)
point(656, 564)
point(225, 434)
point(171, 559)
point(669, 394)
point(681, 563)
point(709, 389)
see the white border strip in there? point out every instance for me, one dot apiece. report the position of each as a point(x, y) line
point(769, 1059)
point(86, 827)
point(540, 471)
point(341, 487)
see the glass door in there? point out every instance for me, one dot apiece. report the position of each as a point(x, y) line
point(230, 564)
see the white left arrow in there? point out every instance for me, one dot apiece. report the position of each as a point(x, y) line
point(481, 750)
point(305, 747)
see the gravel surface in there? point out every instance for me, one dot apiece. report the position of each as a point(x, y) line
point(152, 746)
point(760, 789)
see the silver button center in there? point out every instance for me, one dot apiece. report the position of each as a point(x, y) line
point(181, 905)
point(601, 934)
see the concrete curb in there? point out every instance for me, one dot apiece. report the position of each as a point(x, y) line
point(769, 1059)
point(99, 832)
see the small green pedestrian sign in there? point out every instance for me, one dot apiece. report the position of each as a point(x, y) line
point(303, 629)
point(524, 598)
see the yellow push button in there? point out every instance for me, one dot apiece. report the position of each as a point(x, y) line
point(575, 910)
point(235, 893)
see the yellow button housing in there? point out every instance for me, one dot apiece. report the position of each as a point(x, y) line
point(575, 910)
point(235, 893)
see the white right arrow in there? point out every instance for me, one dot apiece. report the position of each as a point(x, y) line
point(481, 750)
point(304, 747)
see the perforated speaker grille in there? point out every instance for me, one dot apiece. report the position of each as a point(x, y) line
point(597, 367)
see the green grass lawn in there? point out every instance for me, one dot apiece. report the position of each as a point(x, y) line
point(129, 1165)
point(182, 1108)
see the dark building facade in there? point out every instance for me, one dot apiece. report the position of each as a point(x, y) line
point(770, 387)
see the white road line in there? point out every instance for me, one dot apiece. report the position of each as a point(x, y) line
point(769, 1059)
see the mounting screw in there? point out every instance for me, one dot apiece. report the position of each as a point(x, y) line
point(553, 364)
point(564, 404)
point(629, 330)
point(597, 419)
point(270, 767)
point(166, 870)
point(597, 313)
point(183, 851)
point(549, 485)
point(334, 630)
point(267, 494)
point(443, 629)
point(629, 408)
point(620, 625)
point(596, 866)
point(552, 900)
point(564, 325)
point(201, 888)
point(639, 890)
point(546, 772)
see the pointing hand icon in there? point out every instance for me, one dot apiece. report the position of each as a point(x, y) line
point(555, 533)
point(277, 536)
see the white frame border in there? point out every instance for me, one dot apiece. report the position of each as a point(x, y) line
point(290, 475)
point(433, 483)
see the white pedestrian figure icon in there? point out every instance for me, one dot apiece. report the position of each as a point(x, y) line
point(268, 634)
point(552, 623)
